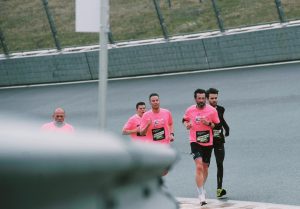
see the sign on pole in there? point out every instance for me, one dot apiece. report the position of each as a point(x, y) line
point(87, 15)
point(88, 19)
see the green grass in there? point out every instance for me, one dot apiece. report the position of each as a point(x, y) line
point(25, 26)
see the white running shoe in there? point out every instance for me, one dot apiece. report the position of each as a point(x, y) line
point(202, 198)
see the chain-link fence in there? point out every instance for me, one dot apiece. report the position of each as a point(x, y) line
point(43, 24)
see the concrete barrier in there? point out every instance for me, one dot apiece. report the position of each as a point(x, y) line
point(90, 171)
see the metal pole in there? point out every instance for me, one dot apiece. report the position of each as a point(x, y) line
point(170, 4)
point(110, 37)
point(52, 25)
point(3, 43)
point(280, 11)
point(161, 20)
point(218, 15)
point(103, 57)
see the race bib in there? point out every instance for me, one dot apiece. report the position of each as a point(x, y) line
point(158, 134)
point(202, 136)
point(217, 133)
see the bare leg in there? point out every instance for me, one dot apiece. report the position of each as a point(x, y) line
point(200, 178)
point(205, 172)
point(201, 175)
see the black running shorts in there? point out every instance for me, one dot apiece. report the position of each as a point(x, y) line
point(199, 151)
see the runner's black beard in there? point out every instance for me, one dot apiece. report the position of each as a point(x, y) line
point(200, 105)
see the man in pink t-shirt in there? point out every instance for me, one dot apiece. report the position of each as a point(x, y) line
point(200, 119)
point(157, 123)
point(58, 124)
point(132, 126)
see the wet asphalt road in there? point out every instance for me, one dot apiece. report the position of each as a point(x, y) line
point(262, 160)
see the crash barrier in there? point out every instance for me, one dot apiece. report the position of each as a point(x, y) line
point(248, 46)
point(90, 171)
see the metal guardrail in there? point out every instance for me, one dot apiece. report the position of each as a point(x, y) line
point(90, 170)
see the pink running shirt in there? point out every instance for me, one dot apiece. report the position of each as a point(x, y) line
point(51, 127)
point(200, 133)
point(158, 130)
point(133, 123)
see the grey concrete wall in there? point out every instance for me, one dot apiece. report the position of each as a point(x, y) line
point(227, 50)
point(264, 46)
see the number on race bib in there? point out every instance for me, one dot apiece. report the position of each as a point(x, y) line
point(158, 134)
point(202, 136)
point(217, 133)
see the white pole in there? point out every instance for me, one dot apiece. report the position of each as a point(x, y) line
point(103, 63)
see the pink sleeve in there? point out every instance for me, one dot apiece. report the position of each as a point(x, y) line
point(47, 126)
point(186, 116)
point(170, 118)
point(128, 125)
point(144, 121)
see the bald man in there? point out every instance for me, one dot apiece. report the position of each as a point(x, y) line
point(58, 124)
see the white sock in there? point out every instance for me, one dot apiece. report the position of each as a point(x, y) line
point(200, 190)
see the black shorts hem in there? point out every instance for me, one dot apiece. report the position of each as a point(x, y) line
point(199, 151)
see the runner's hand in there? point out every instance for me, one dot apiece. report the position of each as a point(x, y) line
point(172, 138)
point(188, 125)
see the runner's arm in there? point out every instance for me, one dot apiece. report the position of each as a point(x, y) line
point(186, 123)
point(143, 131)
point(226, 127)
point(223, 123)
point(128, 128)
point(171, 129)
point(128, 132)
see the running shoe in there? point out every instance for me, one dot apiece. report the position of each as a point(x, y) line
point(221, 193)
point(202, 199)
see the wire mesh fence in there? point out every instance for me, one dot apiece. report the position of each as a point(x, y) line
point(190, 16)
point(247, 13)
point(291, 9)
point(133, 19)
point(42, 24)
point(24, 25)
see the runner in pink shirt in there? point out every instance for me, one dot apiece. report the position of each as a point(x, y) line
point(58, 124)
point(200, 119)
point(157, 123)
point(132, 126)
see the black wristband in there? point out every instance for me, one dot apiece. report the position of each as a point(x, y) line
point(172, 134)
